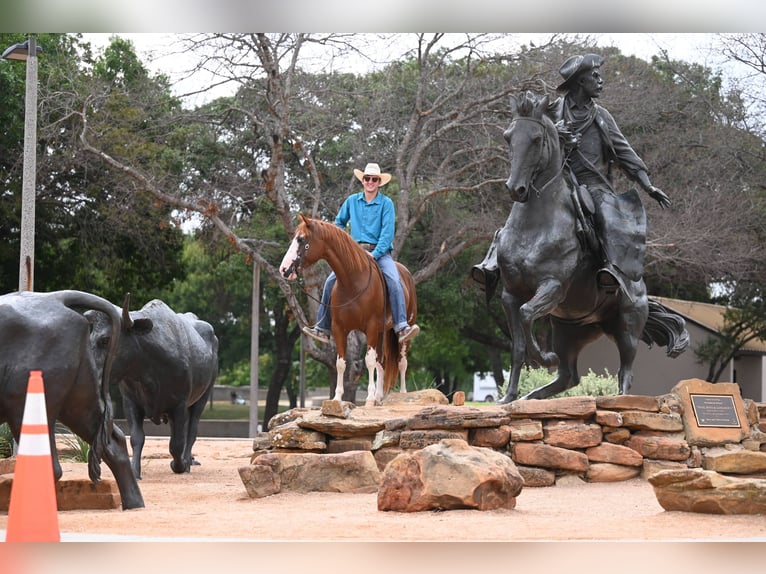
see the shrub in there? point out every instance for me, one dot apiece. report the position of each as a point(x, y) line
point(591, 384)
point(6, 441)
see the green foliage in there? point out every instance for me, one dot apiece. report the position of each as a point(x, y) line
point(742, 323)
point(74, 447)
point(237, 375)
point(6, 441)
point(591, 384)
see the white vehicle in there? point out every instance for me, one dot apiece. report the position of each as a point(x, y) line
point(484, 387)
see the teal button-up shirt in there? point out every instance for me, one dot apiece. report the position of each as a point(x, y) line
point(372, 222)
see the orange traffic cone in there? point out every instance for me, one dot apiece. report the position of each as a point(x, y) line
point(32, 510)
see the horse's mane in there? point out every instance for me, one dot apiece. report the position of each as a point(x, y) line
point(343, 244)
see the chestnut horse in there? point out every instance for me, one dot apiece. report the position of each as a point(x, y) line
point(359, 302)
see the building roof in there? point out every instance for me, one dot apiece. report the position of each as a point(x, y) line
point(707, 316)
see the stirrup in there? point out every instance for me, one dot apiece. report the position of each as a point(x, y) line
point(317, 333)
point(608, 280)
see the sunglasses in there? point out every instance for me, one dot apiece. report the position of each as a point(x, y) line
point(371, 178)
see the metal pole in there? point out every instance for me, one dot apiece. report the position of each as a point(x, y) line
point(254, 349)
point(27, 254)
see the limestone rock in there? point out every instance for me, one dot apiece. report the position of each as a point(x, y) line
point(526, 430)
point(651, 467)
point(385, 438)
point(617, 436)
point(609, 418)
point(260, 480)
point(609, 472)
point(659, 446)
point(337, 445)
point(536, 477)
point(615, 454)
point(569, 479)
point(341, 427)
point(385, 455)
point(572, 434)
point(666, 422)
point(628, 403)
point(546, 456)
point(496, 437)
point(451, 417)
point(292, 436)
point(449, 475)
point(72, 494)
point(354, 472)
point(424, 397)
point(706, 491)
point(341, 409)
point(285, 417)
point(411, 439)
point(737, 461)
point(562, 408)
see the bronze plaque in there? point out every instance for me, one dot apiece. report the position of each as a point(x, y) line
point(715, 411)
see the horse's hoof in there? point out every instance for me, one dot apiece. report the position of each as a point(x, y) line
point(369, 403)
point(505, 400)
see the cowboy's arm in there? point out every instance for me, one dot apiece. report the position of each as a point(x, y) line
point(630, 162)
point(344, 214)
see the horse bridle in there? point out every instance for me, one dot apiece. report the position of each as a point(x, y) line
point(543, 144)
point(295, 267)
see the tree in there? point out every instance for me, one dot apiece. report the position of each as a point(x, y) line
point(742, 324)
point(88, 235)
point(287, 140)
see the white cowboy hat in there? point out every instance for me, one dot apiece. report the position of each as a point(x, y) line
point(373, 169)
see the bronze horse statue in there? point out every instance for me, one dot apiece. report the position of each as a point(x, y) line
point(359, 302)
point(548, 269)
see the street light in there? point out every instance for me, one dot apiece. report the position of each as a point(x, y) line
point(27, 52)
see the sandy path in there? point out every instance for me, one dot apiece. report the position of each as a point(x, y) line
point(211, 503)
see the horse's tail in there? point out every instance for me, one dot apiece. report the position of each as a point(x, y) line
point(390, 360)
point(666, 328)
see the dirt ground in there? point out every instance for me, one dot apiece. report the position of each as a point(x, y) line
point(211, 504)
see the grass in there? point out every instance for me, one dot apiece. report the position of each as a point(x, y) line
point(223, 410)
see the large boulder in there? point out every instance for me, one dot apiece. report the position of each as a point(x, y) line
point(706, 491)
point(449, 475)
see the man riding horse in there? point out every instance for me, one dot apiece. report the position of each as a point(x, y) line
point(593, 143)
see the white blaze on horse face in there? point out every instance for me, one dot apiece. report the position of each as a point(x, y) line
point(288, 259)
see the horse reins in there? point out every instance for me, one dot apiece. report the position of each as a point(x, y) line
point(295, 266)
point(543, 144)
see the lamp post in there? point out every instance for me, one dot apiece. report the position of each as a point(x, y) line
point(27, 51)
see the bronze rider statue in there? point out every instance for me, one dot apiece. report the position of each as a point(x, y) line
point(593, 144)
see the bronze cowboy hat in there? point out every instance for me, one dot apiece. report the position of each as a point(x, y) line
point(575, 66)
point(373, 169)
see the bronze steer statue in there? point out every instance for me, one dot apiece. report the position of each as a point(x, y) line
point(166, 364)
point(49, 332)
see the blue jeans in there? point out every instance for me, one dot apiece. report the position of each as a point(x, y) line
point(395, 295)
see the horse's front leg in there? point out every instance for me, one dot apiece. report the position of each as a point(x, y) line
point(340, 366)
point(518, 346)
point(548, 296)
point(371, 361)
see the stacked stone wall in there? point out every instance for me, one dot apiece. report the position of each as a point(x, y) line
point(595, 439)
